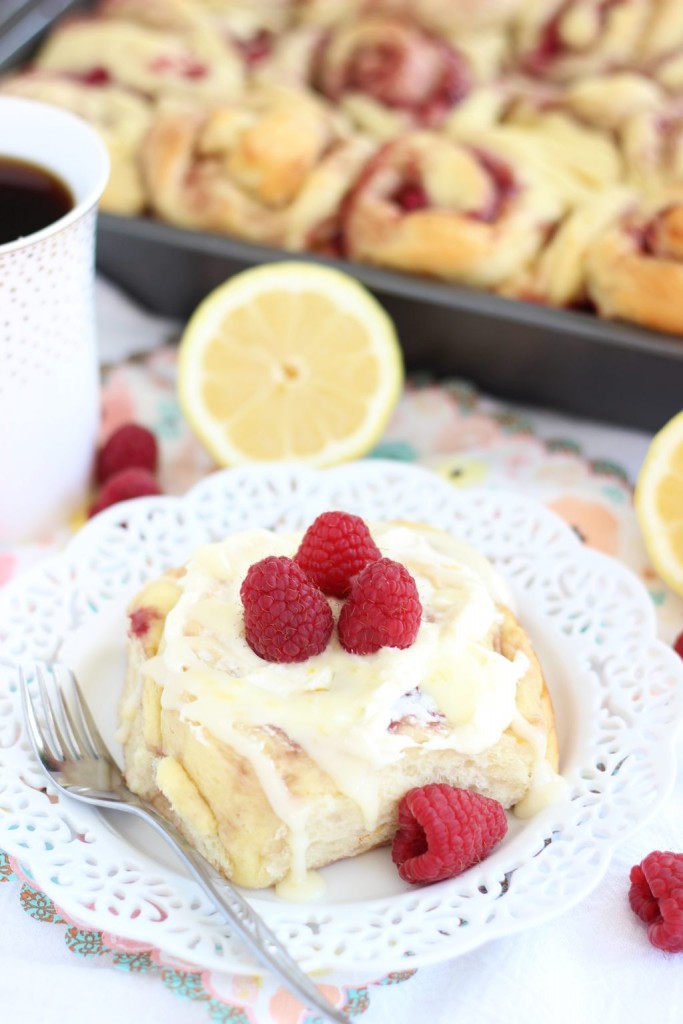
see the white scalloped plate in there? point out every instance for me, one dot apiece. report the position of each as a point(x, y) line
point(618, 694)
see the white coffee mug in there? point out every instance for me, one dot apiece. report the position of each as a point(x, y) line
point(49, 377)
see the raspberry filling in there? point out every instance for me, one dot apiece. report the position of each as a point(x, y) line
point(552, 44)
point(95, 76)
point(256, 49)
point(504, 187)
point(661, 237)
point(403, 69)
point(185, 67)
point(141, 621)
point(411, 196)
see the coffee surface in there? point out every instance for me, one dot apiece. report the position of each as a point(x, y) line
point(31, 198)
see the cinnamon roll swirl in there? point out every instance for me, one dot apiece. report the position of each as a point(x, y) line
point(455, 211)
point(272, 168)
point(389, 74)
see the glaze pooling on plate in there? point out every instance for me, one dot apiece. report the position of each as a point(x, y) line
point(618, 695)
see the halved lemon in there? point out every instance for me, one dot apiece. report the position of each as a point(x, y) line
point(659, 502)
point(289, 361)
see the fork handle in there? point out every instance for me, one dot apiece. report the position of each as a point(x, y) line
point(265, 946)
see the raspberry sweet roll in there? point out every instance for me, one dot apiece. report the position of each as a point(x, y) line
point(556, 136)
point(195, 64)
point(457, 211)
point(276, 765)
point(566, 39)
point(389, 74)
point(635, 268)
point(273, 168)
point(558, 275)
point(121, 117)
point(251, 25)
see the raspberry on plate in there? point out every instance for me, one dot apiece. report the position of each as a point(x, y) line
point(382, 610)
point(132, 445)
point(129, 483)
point(286, 617)
point(335, 547)
point(656, 896)
point(443, 830)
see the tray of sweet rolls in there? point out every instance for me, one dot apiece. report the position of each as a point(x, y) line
point(507, 175)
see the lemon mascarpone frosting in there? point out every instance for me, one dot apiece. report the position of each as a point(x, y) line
point(454, 685)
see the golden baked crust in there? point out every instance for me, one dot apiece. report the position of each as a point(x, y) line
point(635, 269)
point(272, 168)
point(453, 210)
point(217, 799)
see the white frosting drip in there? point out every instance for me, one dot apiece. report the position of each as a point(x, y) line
point(338, 706)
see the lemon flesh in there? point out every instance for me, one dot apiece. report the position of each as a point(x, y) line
point(289, 361)
point(658, 502)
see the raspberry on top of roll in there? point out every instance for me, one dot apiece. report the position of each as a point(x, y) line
point(280, 727)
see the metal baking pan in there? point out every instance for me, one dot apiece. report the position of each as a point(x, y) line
point(566, 360)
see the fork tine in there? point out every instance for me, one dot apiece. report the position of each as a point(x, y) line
point(80, 718)
point(57, 712)
point(43, 741)
point(49, 726)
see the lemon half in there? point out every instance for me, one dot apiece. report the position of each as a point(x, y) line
point(289, 361)
point(658, 502)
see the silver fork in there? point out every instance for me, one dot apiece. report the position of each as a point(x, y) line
point(76, 759)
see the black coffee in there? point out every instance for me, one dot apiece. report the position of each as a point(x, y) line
point(31, 197)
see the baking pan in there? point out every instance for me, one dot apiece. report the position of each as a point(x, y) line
point(562, 359)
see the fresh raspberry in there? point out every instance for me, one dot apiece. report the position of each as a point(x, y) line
point(678, 645)
point(383, 609)
point(335, 547)
point(656, 896)
point(129, 483)
point(131, 445)
point(286, 617)
point(443, 830)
